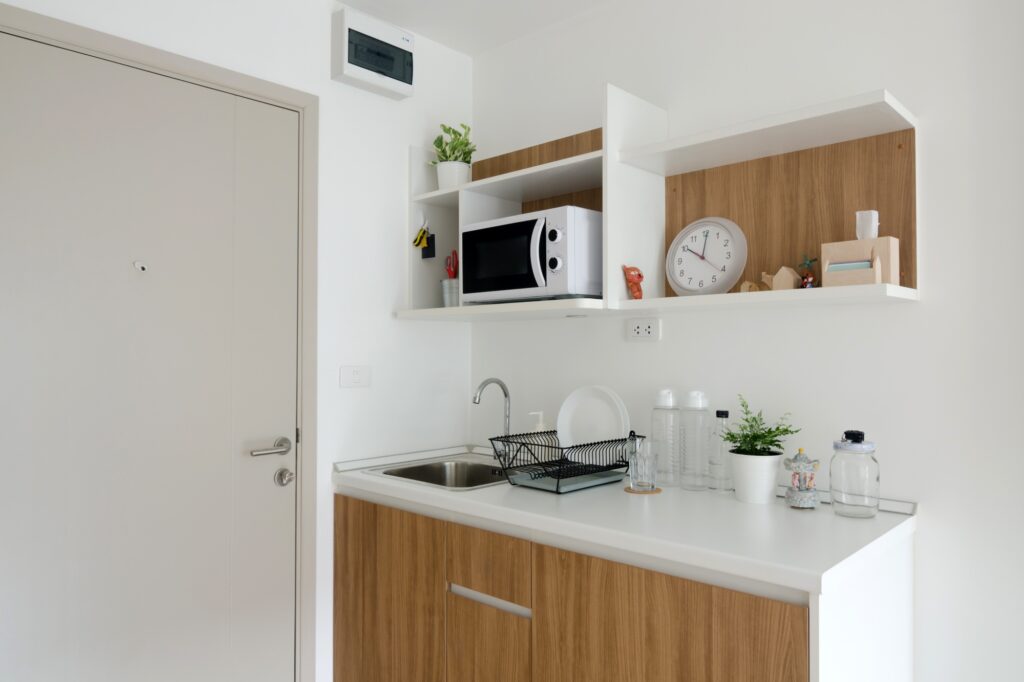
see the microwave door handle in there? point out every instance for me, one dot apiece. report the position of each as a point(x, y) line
point(538, 267)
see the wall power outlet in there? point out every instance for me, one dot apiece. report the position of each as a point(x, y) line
point(643, 329)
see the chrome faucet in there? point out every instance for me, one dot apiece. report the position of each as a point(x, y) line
point(504, 389)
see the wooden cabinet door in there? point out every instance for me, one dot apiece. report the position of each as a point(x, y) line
point(389, 594)
point(757, 639)
point(599, 620)
point(486, 644)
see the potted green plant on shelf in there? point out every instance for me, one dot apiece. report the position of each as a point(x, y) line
point(454, 154)
point(756, 452)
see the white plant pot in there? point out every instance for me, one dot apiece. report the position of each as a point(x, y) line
point(755, 477)
point(451, 174)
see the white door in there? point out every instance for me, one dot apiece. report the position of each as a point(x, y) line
point(148, 328)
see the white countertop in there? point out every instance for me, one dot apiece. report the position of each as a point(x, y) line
point(768, 549)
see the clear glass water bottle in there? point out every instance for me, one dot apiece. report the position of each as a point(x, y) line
point(664, 437)
point(720, 464)
point(695, 440)
point(854, 476)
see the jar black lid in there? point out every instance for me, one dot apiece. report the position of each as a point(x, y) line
point(722, 414)
point(854, 436)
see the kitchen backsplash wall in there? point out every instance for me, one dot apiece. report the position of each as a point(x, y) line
point(937, 384)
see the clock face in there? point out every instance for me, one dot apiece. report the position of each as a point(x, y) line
point(707, 257)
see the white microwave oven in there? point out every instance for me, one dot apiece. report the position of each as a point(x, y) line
point(554, 253)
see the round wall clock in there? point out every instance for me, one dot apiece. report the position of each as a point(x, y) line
point(707, 257)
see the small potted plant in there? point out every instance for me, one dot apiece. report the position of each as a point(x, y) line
point(454, 155)
point(757, 449)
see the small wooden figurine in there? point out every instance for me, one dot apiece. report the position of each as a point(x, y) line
point(801, 493)
point(750, 286)
point(785, 278)
point(634, 278)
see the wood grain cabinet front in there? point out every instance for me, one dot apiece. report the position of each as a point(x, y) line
point(389, 594)
point(599, 620)
point(421, 599)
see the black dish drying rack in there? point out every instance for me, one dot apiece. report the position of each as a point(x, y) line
point(538, 460)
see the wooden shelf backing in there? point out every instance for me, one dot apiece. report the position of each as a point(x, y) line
point(520, 310)
point(866, 115)
point(789, 205)
point(865, 293)
point(539, 154)
point(565, 176)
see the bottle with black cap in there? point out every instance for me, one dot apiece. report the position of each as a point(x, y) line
point(854, 476)
point(721, 464)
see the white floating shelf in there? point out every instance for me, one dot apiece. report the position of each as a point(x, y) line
point(521, 310)
point(873, 113)
point(448, 198)
point(538, 182)
point(863, 293)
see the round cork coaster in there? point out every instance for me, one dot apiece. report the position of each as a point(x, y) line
point(642, 492)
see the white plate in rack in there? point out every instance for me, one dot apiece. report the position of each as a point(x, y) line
point(592, 413)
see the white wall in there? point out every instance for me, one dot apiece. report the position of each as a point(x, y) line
point(419, 393)
point(937, 384)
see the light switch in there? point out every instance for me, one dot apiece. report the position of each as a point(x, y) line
point(354, 376)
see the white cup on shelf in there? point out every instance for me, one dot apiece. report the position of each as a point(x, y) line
point(867, 224)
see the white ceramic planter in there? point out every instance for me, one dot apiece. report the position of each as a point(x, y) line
point(755, 477)
point(452, 174)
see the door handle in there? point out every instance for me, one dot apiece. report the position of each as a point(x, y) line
point(282, 446)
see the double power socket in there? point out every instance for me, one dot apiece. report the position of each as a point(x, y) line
point(643, 329)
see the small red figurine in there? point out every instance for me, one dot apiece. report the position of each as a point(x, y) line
point(633, 280)
point(808, 281)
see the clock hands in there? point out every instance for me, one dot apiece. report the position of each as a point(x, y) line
point(701, 256)
point(705, 249)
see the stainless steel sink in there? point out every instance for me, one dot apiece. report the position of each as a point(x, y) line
point(458, 473)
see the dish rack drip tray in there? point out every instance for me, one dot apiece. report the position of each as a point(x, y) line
point(538, 460)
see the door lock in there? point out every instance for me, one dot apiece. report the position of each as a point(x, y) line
point(283, 477)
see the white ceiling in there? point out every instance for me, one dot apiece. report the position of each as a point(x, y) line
point(473, 26)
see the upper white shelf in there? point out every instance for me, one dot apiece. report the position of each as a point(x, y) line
point(538, 182)
point(862, 293)
point(873, 113)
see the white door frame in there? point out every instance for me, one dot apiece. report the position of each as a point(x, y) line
point(61, 34)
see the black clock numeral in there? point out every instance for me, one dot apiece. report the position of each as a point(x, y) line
point(689, 280)
point(693, 238)
point(718, 235)
point(682, 273)
point(723, 268)
point(714, 278)
point(679, 261)
point(728, 255)
point(725, 243)
point(707, 232)
point(700, 283)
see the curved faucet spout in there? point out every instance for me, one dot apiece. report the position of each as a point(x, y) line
point(504, 389)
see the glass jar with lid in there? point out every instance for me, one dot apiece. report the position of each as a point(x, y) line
point(854, 476)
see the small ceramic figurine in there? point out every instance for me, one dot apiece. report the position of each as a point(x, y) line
point(801, 493)
point(750, 286)
point(633, 280)
point(785, 278)
point(807, 272)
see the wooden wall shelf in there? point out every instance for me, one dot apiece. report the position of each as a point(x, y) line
point(521, 310)
point(791, 181)
point(564, 176)
point(867, 293)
